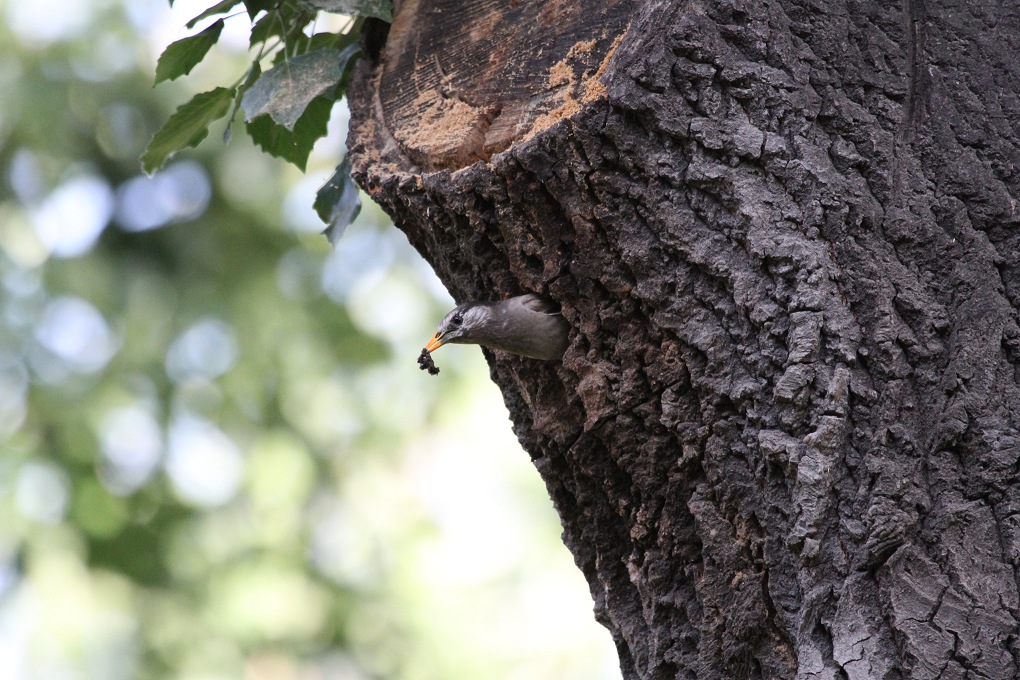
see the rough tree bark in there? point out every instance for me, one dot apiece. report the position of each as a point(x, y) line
point(783, 442)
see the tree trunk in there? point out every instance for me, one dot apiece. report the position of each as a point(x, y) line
point(783, 442)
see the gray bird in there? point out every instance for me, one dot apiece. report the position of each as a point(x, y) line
point(527, 325)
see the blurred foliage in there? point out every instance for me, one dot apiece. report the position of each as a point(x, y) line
point(287, 107)
point(217, 456)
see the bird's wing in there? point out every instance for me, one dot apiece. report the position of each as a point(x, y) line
point(539, 304)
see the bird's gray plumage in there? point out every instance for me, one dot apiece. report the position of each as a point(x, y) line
point(527, 325)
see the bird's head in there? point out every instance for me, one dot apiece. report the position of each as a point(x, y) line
point(458, 325)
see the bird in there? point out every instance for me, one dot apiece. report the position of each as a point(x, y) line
point(528, 325)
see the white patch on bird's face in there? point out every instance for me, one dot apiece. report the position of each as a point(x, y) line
point(457, 325)
point(452, 325)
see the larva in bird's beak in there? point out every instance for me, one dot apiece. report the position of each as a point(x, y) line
point(426, 363)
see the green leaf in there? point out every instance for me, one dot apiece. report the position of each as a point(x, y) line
point(380, 9)
point(219, 8)
point(265, 28)
point(348, 57)
point(302, 44)
point(187, 127)
point(253, 74)
point(180, 57)
point(325, 41)
point(286, 91)
point(280, 22)
point(256, 6)
point(338, 202)
point(294, 146)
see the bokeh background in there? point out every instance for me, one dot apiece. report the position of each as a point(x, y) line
point(218, 458)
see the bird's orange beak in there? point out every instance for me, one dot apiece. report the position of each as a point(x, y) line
point(435, 343)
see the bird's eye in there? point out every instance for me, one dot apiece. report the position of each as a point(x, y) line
point(457, 319)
